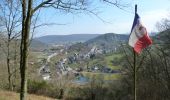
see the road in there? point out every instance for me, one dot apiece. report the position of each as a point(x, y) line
point(50, 56)
point(44, 70)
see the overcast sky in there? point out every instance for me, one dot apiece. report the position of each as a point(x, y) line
point(116, 20)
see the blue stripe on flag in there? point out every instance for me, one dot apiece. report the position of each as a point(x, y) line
point(135, 21)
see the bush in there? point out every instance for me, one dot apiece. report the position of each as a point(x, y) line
point(36, 87)
point(44, 88)
point(77, 93)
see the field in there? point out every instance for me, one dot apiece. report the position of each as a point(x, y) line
point(105, 76)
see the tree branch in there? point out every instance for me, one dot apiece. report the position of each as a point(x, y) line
point(42, 4)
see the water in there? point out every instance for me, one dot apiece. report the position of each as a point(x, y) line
point(81, 80)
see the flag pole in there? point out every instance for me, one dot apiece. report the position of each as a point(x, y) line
point(134, 64)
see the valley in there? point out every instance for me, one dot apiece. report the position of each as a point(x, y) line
point(98, 56)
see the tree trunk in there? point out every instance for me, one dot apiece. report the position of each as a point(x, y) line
point(8, 66)
point(26, 22)
point(15, 65)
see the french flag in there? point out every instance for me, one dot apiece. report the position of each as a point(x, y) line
point(139, 38)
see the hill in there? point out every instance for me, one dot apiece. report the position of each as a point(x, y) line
point(108, 40)
point(62, 39)
point(36, 45)
point(105, 42)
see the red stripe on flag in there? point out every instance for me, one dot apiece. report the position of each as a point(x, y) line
point(142, 43)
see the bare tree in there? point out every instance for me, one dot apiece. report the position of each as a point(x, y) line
point(10, 21)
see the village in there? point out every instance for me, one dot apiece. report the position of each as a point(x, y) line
point(62, 65)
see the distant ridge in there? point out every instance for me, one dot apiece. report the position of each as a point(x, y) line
point(36, 45)
point(108, 41)
point(102, 41)
point(61, 39)
point(108, 38)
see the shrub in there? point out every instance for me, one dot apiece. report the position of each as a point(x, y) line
point(44, 88)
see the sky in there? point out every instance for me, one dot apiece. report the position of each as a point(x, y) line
point(114, 20)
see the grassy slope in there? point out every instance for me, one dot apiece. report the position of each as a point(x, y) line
point(109, 59)
point(6, 95)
